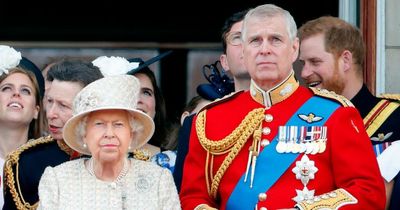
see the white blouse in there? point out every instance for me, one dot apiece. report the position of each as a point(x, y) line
point(71, 186)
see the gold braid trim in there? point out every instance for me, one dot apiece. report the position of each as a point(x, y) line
point(206, 171)
point(378, 115)
point(331, 200)
point(237, 139)
point(10, 182)
point(391, 96)
point(64, 147)
point(332, 95)
point(243, 131)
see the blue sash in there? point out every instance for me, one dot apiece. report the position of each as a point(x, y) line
point(271, 164)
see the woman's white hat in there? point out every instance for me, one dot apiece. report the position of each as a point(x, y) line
point(112, 92)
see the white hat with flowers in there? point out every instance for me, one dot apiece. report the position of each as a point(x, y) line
point(9, 58)
point(109, 93)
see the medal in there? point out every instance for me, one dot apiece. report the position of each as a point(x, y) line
point(309, 148)
point(302, 147)
point(289, 147)
point(305, 171)
point(322, 146)
point(315, 148)
point(301, 139)
point(296, 148)
point(281, 147)
point(303, 195)
point(322, 141)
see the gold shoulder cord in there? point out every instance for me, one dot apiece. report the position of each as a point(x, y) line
point(332, 95)
point(9, 181)
point(233, 143)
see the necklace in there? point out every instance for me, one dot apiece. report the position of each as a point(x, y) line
point(120, 176)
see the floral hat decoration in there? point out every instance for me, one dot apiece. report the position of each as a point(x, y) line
point(110, 66)
point(117, 90)
point(119, 65)
point(9, 58)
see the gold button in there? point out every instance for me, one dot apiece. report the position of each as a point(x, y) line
point(268, 118)
point(262, 197)
point(265, 142)
point(266, 130)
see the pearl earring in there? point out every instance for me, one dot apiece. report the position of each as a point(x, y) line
point(129, 148)
point(84, 145)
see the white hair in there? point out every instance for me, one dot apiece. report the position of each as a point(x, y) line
point(270, 10)
point(136, 128)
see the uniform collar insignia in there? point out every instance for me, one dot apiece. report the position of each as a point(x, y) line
point(310, 118)
point(276, 94)
point(381, 137)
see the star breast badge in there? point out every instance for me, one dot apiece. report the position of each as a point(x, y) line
point(305, 169)
point(303, 195)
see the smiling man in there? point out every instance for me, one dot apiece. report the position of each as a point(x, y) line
point(332, 52)
point(25, 166)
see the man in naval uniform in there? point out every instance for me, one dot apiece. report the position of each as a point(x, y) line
point(333, 53)
point(279, 145)
point(24, 167)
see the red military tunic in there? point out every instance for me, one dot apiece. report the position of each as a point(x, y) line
point(348, 163)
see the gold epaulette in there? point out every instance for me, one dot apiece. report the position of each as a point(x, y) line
point(332, 95)
point(220, 100)
point(14, 156)
point(331, 200)
point(11, 181)
point(395, 97)
point(380, 113)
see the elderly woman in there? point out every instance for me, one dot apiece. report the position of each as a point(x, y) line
point(106, 126)
point(160, 149)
